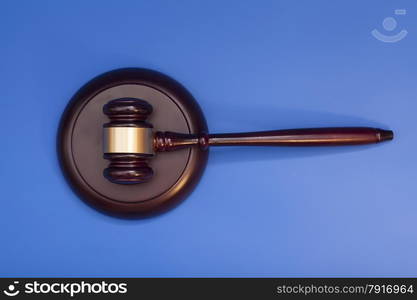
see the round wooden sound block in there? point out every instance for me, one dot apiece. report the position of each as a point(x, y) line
point(80, 143)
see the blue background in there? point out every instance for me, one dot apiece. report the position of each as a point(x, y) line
point(252, 65)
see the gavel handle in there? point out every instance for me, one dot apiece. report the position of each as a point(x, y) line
point(168, 141)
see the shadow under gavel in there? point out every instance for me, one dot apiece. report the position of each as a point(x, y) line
point(129, 141)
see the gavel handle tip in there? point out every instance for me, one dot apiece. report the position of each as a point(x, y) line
point(385, 135)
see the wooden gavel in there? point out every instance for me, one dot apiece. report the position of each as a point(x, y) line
point(129, 141)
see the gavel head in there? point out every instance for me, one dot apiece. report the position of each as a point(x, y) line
point(128, 141)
